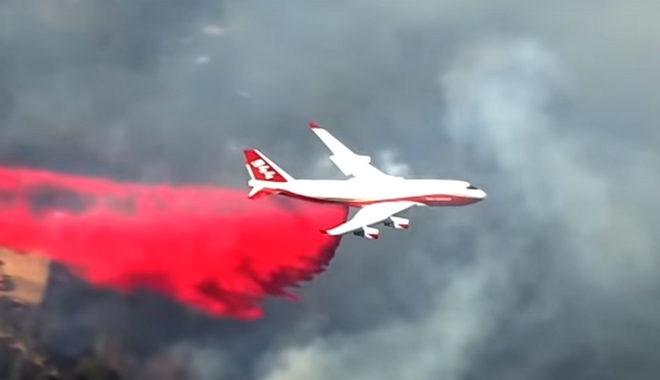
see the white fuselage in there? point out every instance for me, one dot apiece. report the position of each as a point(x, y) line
point(358, 192)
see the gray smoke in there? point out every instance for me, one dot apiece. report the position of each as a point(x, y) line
point(551, 107)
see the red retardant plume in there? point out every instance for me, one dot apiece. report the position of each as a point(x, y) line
point(211, 248)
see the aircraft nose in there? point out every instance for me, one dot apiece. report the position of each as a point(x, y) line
point(481, 194)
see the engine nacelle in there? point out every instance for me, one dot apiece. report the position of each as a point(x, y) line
point(367, 233)
point(397, 223)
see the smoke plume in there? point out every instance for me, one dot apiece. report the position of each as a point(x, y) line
point(550, 107)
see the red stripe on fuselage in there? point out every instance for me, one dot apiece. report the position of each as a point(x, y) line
point(429, 200)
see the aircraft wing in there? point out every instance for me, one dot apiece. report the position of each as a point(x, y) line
point(370, 214)
point(346, 160)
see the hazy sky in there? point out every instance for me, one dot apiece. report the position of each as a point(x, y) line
point(551, 107)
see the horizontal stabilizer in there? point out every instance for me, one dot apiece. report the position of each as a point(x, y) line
point(259, 192)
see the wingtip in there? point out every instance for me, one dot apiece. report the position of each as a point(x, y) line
point(313, 125)
point(327, 233)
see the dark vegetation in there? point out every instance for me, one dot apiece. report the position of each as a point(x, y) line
point(35, 342)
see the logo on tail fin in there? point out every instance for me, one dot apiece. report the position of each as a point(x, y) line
point(263, 168)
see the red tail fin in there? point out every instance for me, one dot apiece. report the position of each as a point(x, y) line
point(263, 169)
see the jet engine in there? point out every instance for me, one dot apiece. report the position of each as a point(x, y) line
point(397, 223)
point(367, 233)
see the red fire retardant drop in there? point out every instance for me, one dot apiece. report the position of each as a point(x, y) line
point(210, 248)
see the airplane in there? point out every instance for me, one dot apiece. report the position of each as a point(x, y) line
point(378, 196)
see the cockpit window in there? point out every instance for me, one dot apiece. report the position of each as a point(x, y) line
point(472, 187)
